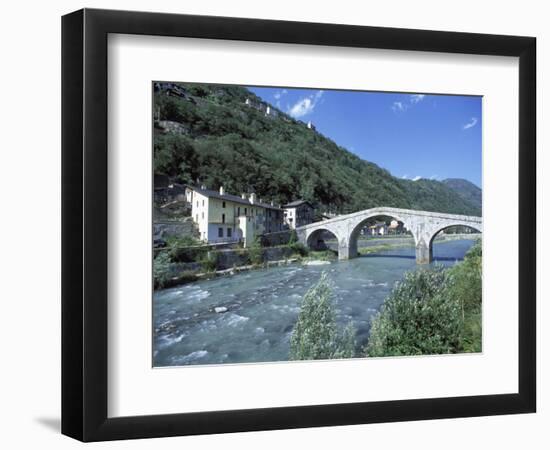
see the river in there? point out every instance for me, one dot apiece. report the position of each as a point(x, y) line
point(263, 305)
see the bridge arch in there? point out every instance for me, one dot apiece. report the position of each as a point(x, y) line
point(316, 239)
point(437, 230)
point(356, 228)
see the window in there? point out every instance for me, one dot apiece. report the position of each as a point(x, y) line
point(220, 232)
point(197, 203)
point(223, 218)
point(229, 231)
point(239, 211)
point(203, 203)
point(223, 204)
point(245, 211)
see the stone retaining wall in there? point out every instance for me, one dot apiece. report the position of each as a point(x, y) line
point(226, 259)
point(167, 229)
point(276, 238)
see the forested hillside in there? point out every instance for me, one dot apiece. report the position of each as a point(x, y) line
point(467, 190)
point(207, 134)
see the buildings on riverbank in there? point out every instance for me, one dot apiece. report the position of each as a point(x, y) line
point(223, 217)
point(298, 213)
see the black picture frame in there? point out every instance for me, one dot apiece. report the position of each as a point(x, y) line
point(84, 224)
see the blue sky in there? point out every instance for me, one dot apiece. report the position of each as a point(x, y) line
point(411, 135)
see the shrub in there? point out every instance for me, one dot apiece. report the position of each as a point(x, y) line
point(465, 287)
point(417, 318)
point(182, 241)
point(209, 262)
point(256, 253)
point(347, 343)
point(315, 335)
point(161, 269)
point(298, 248)
point(188, 276)
point(293, 238)
point(185, 249)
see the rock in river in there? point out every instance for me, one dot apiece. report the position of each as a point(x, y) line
point(316, 263)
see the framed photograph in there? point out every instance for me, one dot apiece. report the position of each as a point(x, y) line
point(273, 224)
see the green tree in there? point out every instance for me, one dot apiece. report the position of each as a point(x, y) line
point(465, 288)
point(256, 252)
point(347, 343)
point(315, 335)
point(417, 318)
point(209, 261)
point(161, 269)
point(293, 237)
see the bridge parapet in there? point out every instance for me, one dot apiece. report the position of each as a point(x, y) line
point(423, 225)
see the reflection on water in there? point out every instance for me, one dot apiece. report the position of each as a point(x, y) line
point(263, 305)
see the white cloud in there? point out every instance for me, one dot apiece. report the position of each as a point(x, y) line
point(405, 177)
point(417, 98)
point(278, 94)
point(305, 105)
point(470, 124)
point(399, 107)
point(417, 178)
point(434, 177)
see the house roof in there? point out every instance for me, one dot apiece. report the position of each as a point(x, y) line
point(296, 203)
point(232, 198)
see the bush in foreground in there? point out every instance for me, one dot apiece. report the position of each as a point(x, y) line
point(432, 311)
point(316, 335)
point(465, 287)
point(416, 319)
point(161, 269)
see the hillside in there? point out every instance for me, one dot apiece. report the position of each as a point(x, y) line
point(466, 190)
point(207, 134)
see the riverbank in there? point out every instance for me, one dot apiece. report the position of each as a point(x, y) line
point(191, 277)
point(312, 258)
point(229, 261)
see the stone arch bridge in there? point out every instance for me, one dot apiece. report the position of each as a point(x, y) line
point(423, 225)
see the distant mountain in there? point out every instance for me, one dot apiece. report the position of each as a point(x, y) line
point(225, 135)
point(466, 190)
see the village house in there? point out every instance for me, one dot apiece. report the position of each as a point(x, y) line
point(223, 217)
point(382, 228)
point(298, 213)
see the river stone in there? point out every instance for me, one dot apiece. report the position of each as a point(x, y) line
point(220, 309)
point(316, 263)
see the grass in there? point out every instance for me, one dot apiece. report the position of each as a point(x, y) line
point(320, 255)
point(382, 247)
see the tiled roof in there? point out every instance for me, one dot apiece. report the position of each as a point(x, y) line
point(232, 198)
point(296, 203)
